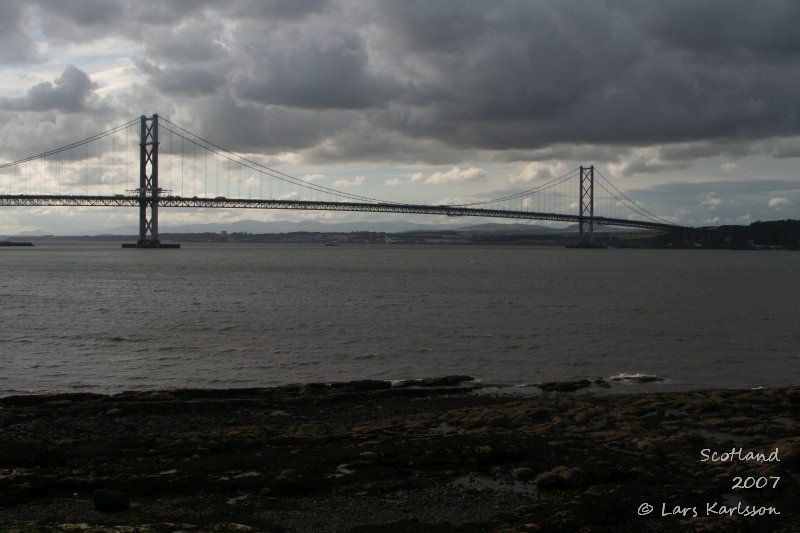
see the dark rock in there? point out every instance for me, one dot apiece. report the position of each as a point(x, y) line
point(575, 477)
point(561, 477)
point(522, 472)
point(446, 381)
point(336, 459)
point(109, 501)
point(564, 386)
point(227, 527)
point(550, 480)
point(48, 399)
point(363, 385)
point(49, 459)
point(295, 482)
point(637, 378)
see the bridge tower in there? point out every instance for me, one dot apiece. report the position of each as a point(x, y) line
point(586, 202)
point(148, 183)
point(148, 191)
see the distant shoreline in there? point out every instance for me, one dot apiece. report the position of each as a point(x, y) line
point(769, 235)
point(621, 384)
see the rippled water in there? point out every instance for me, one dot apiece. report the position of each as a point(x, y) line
point(101, 318)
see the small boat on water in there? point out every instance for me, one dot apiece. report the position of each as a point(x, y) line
point(15, 243)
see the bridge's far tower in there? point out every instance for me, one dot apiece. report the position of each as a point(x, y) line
point(586, 202)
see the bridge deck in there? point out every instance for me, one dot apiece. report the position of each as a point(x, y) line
point(21, 200)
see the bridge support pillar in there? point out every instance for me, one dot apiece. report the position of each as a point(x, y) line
point(586, 213)
point(148, 183)
point(148, 190)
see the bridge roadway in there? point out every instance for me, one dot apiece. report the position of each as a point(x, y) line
point(22, 200)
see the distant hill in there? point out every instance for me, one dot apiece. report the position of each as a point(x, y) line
point(784, 233)
point(602, 228)
point(260, 227)
point(508, 228)
point(33, 233)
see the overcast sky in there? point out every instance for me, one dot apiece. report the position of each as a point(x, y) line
point(690, 106)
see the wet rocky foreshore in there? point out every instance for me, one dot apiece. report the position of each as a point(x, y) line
point(433, 455)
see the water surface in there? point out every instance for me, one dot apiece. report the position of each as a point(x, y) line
point(96, 317)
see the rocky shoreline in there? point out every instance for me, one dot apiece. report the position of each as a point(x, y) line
point(430, 455)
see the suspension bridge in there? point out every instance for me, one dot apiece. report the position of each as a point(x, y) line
point(150, 163)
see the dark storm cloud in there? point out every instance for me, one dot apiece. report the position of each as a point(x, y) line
point(78, 20)
point(72, 92)
point(54, 113)
point(16, 44)
point(177, 81)
point(311, 69)
point(363, 141)
point(728, 28)
point(508, 75)
point(282, 9)
point(590, 72)
point(195, 39)
point(252, 128)
point(525, 75)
